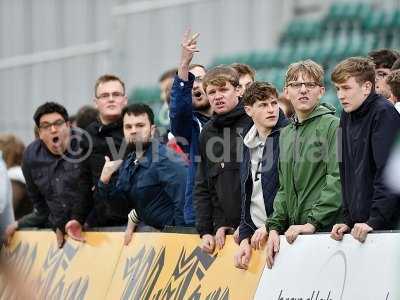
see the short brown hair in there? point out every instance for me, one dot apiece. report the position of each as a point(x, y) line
point(12, 148)
point(383, 58)
point(393, 81)
point(259, 91)
point(361, 68)
point(307, 67)
point(106, 78)
point(220, 75)
point(244, 69)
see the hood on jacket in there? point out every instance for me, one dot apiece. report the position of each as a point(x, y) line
point(319, 110)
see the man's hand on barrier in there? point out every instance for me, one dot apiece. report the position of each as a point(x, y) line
point(360, 231)
point(110, 166)
point(9, 232)
point(259, 238)
point(220, 236)
point(243, 255)
point(130, 229)
point(236, 236)
point(60, 238)
point(74, 230)
point(207, 243)
point(338, 230)
point(293, 232)
point(272, 247)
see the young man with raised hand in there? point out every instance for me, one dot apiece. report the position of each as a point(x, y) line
point(217, 188)
point(308, 199)
point(259, 170)
point(369, 125)
point(189, 111)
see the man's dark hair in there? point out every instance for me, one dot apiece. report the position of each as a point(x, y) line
point(168, 74)
point(396, 65)
point(259, 91)
point(137, 109)
point(85, 116)
point(48, 108)
point(384, 58)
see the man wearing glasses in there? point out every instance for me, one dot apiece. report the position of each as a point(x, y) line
point(104, 138)
point(189, 111)
point(51, 169)
point(308, 199)
point(383, 60)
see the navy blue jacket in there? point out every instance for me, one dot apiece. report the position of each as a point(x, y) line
point(53, 186)
point(269, 178)
point(186, 124)
point(368, 134)
point(154, 185)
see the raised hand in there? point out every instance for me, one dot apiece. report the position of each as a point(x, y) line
point(188, 48)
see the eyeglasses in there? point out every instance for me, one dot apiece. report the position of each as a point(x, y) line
point(56, 124)
point(198, 79)
point(308, 85)
point(114, 95)
point(381, 75)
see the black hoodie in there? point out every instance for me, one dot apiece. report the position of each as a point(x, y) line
point(217, 187)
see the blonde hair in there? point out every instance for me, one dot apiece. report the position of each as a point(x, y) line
point(307, 67)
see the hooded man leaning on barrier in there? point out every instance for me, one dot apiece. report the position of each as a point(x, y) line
point(308, 199)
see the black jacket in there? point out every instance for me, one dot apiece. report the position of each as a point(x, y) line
point(269, 178)
point(102, 140)
point(217, 187)
point(52, 185)
point(368, 134)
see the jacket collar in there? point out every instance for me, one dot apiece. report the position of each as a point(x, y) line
point(364, 108)
point(319, 110)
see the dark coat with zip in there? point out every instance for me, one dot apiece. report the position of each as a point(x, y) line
point(269, 178)
point(217, 187)
point(368, 134)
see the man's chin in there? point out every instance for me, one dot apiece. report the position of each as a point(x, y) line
point(201, 106)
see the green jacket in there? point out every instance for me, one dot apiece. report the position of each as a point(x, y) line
point(310, 190)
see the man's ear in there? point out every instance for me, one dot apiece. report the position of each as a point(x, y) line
point(367, 87)
point(125, 101)
point(95, 103)
point(322, 91)
point(153, 130)
point(249, 110)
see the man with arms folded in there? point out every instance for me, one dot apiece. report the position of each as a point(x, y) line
point(369, 125)
point(259, 169)
point(308, 199)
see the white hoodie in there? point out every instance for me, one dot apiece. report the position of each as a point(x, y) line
point(6, 207)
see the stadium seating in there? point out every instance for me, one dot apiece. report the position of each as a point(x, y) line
point(348, 29)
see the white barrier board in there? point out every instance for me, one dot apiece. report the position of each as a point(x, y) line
point(315, 267)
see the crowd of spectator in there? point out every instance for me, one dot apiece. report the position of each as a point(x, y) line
point(238, 157)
